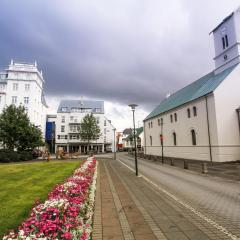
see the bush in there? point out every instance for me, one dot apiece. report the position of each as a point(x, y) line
point(7, 156)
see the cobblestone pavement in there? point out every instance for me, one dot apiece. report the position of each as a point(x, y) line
point(132, 208)
point(215, 198)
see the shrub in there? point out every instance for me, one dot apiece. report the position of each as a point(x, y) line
point(7, 156)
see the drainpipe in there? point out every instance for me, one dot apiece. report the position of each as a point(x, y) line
point(208, 126)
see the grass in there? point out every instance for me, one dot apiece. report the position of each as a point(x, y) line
point(22, 183)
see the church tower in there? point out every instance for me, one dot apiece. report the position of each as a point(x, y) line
point(227, 42)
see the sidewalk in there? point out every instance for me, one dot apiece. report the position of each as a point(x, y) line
point(127, 207)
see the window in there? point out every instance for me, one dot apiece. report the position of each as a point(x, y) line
point(175, 117)
point(194, 111)
point(71, 118)
point(188, 113)
point(105, 123)
point(151, 140)
point(159, 123)
point(26, 100)
point(171, 118)
point(161, 139)
point(223, 43)
point(226, 40)
point(58, 136)
point(14, 99)
point(64, 109)
point(151, 124)
point(62, 128)
point(174, 139)
point(193, 133)
point(27, 87)
point(97, 120)
point(15, 86)
point(105, 130)
point(63, 119)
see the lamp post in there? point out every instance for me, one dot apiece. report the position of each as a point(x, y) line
point(133, 106)
point(114, 142)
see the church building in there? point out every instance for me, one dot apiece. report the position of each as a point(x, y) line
point(201, 121)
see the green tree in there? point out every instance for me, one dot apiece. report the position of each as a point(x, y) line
point(16, 130)
point(89, 129)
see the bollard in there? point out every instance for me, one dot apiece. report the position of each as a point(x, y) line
point(172, 162)
point(185, 164)
point(204, 168)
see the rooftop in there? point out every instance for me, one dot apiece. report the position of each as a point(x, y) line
point(195, 90)
point(68, 105)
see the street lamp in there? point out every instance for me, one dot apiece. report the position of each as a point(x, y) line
point(114, 142)
point(133, 106)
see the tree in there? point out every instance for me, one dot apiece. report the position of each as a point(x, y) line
point(16, 130)
point(89, 129)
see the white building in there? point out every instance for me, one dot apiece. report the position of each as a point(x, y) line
point(69, 116)
point(22, 84)
point(201, 120)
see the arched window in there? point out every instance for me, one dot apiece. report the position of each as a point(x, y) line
point(174, 139)
point(175, 117)
point(171, 118)
point(159, 122)
point(151, 140)
point(194, 111)
point(193, 133)
point(188, 113)
point(161, 139)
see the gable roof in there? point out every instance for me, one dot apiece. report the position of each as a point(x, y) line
point(127, 131)
point(195, 90)
point(138, 132)
point(83, 104)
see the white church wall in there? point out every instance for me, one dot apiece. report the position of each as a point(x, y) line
point(182, 127)
point(227, 100)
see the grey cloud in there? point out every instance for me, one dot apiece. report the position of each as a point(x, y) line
point(123, 51)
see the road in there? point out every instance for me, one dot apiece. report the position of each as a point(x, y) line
point(217, 199)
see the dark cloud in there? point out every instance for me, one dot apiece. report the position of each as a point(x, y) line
point(122, 51)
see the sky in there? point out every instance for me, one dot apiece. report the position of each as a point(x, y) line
point(119, 51)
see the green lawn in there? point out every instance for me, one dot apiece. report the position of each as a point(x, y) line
point(22, 183)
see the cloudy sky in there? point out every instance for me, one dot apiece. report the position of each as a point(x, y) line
point(119, 51)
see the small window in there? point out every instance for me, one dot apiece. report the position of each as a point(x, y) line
point(66, 137)
point(14, 99)
point(151, 124)
point(175, 117)
point(71, 118)
point(194, 111)
point(105, 123)
point(26, 100)
point(58, 136)
point(171, 118)
point(159, 123)
point(161, 139)
point(174, 139)
point(151, 140)
point(223, 43)
point(63, 119)
point(188, 113)
point(193, 133)
point(27, 87)
point(226, 40)
point(15, 86)
point(62, 128)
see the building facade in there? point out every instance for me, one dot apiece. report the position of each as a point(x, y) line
point(22, 84)
point(201, 120)
point(69, 116)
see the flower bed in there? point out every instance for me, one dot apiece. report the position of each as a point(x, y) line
point(68, 211)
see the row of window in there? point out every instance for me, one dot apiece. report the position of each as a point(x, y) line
point(82, 110)
point(174, 117)
point(25, 100)
point(15, 86)
point(75, 128)
point(174, 138)
point(74, 119)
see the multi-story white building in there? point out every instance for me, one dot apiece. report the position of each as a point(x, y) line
point(69, 116)
point(201, 121)
point(22, 84)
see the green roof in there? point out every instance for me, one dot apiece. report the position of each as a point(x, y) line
point(197, 89)
point(138, 130)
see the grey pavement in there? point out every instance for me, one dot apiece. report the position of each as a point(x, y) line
point(215, 199)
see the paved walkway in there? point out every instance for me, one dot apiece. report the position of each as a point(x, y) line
point(127, 207)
